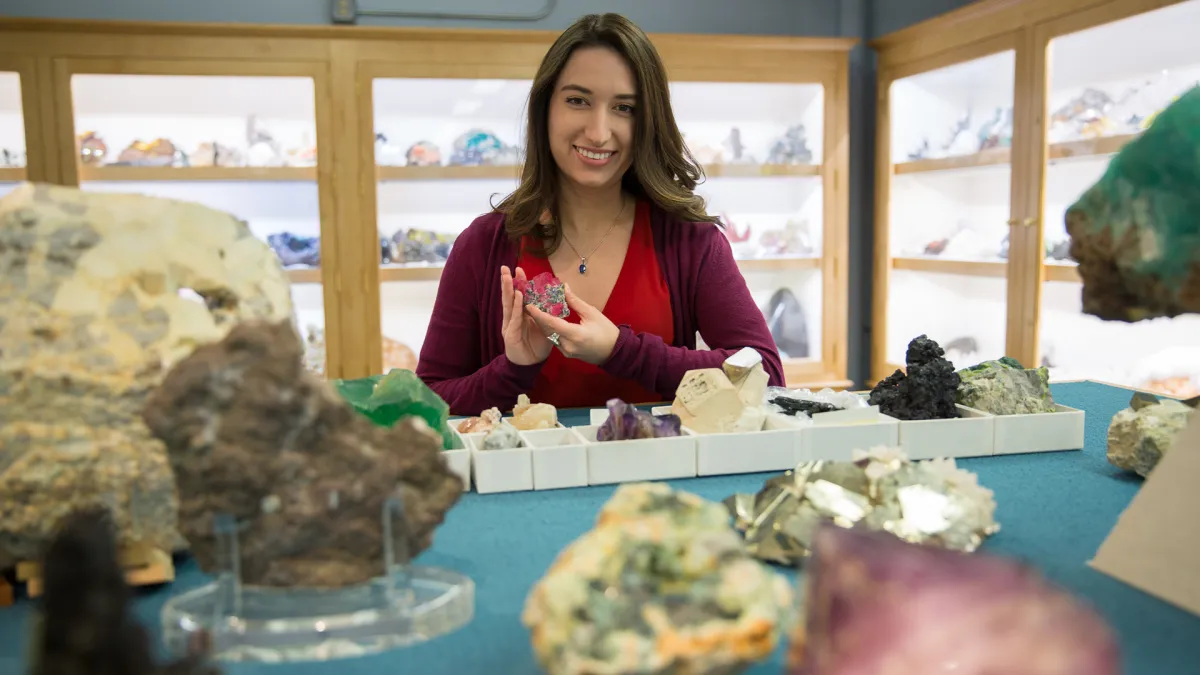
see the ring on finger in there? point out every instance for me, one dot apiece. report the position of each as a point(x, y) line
point(553, 337)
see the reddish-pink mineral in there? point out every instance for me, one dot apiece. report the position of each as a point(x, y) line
point(546, 292)
point(877, 605)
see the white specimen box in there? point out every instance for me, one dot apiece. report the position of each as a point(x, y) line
point(638, 460)
point(1039, 432)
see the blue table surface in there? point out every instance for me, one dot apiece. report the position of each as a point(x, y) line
point(1054, 509)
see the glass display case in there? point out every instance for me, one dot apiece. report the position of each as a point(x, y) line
point(242, 144)
point(1105, 84)
point(947, 213)
point(12, 132)
point(448, 149)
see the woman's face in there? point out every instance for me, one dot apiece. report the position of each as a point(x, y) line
point(591, 118)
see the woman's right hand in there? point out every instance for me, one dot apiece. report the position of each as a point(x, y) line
point(524, 342)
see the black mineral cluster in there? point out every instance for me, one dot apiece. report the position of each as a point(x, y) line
point(795, 406)
point(927, 392)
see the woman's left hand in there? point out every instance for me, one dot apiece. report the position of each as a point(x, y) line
point(591, 340)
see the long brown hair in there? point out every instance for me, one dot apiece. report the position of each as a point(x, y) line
point(663, 170)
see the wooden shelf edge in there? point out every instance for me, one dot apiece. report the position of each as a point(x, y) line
point(198, 173)
point(12, 174)
point(779, 264)
point(431, 273)
point(1062, 273)
point(386, 173)
point(1089, 147)
point(302, 275)
point(980, 268)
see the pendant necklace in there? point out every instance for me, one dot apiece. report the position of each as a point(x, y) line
point(584, 258)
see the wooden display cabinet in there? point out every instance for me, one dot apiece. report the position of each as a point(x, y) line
point(971, 248)
point(434, 86)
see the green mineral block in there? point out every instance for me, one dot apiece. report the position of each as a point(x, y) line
point(1136, 232)
point(1005, 388)
point(386, 399)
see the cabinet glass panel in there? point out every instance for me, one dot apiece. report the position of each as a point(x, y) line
point(951, 135)
point(12, 133)
point(244, 145)
point(1100, 98)
point(448, 149)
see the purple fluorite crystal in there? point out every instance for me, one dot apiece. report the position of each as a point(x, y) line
point(876, 604)
point(626, 423)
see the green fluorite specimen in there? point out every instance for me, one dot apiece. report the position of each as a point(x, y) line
point(386, 399)
point(1136, 232)
point(1005, 387)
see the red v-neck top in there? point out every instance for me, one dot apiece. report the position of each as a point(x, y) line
point(640, 299)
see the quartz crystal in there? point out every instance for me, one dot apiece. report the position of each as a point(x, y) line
point(529, 416)
point(926, 392)
point(626, 423)
point(1136, 232)
point(386, 399)
point(100, 294)
point(253, 436)
point(546, 292)
point(660, 586)
point(931, 502)
point(875, 605)
point(486, 421)
point(1004, 387)
point(1141, 434)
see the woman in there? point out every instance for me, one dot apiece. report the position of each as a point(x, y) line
point(606, 203)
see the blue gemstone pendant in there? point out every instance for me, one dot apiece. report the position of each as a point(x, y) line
point(582, 266)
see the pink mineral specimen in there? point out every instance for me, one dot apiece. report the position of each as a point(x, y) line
point(877, 605)
point(546, 292)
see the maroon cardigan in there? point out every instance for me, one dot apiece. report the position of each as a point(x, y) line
point(463, 355)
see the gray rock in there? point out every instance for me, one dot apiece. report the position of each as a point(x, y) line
point(1138, 438)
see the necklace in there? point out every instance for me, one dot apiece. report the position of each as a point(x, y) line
point(584, 258)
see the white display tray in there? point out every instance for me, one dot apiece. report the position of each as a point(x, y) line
point(559, 458)
point(972, 435)
point(1042, 432)
point(748, 452)
point(836, 439)
point(500, 470)
point(638, 460)
point(459, 459)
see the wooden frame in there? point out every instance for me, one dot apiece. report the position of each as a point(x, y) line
point(981, 29)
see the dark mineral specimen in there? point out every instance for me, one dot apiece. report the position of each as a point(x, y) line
point(626, 423)
point(1136, 232)
point(252, 435)
point(792, 406)
point(87, 625)
point(926, 392)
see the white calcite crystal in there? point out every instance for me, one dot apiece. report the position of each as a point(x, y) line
point(724, 400)
point(528, 416)
point(100, 294)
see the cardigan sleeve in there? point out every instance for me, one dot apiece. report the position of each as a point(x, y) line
point(725, 314)
point(451, 361)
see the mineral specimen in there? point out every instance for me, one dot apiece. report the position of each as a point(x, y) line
point(387, 399)
point(1141, 434)
point(486, 421)
point(931, 502)
point(502, 437)
point(1004, 387)
point(1136, 232)
point(545, 292)
point(724, 400)
point(660, 586)
point(529, 416)
point(875, 604)
point(99, 295)
point(926, 392)
point(627, 423)
point(86, 595)
point(253, 436)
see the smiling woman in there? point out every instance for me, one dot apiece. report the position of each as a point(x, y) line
point(607, 174)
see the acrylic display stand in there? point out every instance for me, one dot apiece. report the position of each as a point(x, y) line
point(231, 621)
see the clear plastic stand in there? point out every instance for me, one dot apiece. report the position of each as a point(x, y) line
point(236, 622)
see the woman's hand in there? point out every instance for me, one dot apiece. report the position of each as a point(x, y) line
point(524, 343)
point(591, 340)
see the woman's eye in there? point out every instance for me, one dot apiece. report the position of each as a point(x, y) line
point(575, 100)
point(625, 108)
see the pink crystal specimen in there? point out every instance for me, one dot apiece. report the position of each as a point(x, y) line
point(545, 291)
point(877, 605)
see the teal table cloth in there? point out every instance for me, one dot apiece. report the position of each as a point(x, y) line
point(1054, 509)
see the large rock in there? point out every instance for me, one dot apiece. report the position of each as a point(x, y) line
point(253, 435)
point(91, 317)
point(1141, 434)
point(1004, 387)
point(1136, 232)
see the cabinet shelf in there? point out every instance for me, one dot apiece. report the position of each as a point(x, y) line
point(1055, 271)
point(434, 272)
point(304, 275)
point(197, 173)
point(1092, 147)
point(405, 173)
point(12, 174)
